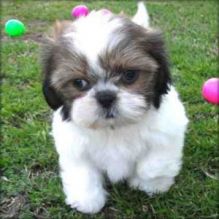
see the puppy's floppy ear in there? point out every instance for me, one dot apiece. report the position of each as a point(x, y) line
point(52, 97)
point(49, 60)
point(156, 48)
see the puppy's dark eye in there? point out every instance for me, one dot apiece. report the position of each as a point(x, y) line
point(130, 76)
point(81, 84)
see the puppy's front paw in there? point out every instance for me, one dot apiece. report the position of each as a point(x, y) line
point(152, 186)
point(90, 202)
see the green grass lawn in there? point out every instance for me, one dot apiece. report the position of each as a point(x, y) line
point(30, 183)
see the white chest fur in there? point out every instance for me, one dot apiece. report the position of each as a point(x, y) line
point(116, 151)
point(113, 151)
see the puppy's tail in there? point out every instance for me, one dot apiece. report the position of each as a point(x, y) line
point(141, 17)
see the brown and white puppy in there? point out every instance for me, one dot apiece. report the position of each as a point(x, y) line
point(115, 111)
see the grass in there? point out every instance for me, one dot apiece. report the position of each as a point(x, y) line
point(30, 185)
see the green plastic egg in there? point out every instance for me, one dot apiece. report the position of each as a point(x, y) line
point(14, 28)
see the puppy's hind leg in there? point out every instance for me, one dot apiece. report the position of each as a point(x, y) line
point(155, 173)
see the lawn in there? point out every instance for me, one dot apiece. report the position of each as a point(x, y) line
point(30, 183)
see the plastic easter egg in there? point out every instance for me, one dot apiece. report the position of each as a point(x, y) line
point(79, 10)
point(105, 11)
point(14, 28)
point(210, 90)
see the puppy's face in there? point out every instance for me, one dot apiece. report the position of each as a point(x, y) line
point(104, 70)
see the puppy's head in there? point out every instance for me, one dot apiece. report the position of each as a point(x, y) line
point(104, 70)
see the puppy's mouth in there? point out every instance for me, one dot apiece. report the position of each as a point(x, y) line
point(110, 114)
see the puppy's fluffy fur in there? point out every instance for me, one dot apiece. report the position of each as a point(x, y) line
point(115, 111)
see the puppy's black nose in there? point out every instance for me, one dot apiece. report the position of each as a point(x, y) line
point(106, 98)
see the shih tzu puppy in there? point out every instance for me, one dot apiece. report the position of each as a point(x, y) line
point(116, 113)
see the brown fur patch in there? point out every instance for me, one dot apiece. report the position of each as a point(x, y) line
point(59, 28)
point(61, 65)
point(132, 54)
point(70, 67)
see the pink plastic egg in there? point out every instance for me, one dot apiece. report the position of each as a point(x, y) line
point(210, 90)
point(79, 10)
point(105, 11)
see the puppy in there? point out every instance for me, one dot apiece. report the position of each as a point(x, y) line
point(116, 113)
